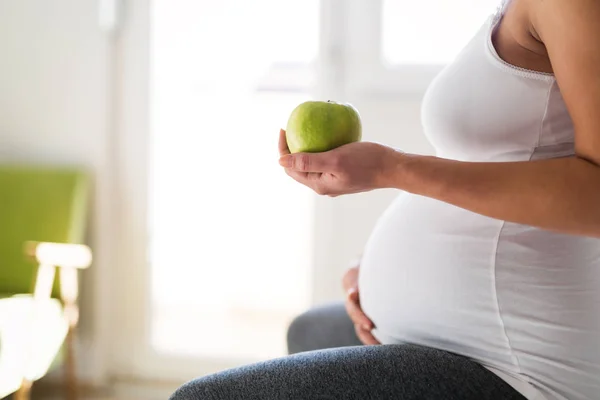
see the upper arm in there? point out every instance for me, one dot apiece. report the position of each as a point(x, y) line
point(570, 30)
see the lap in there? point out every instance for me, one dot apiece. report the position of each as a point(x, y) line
point(400, 372)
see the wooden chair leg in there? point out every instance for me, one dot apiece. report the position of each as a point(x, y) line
point(24, 392)
point(70, 372)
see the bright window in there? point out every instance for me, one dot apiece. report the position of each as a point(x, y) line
point(231, 234)
point(430, 31)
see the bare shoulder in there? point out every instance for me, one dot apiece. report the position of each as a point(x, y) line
point(531, 27)
point(516, 40)
point(551, 17)
point(566, 28)
point(570, 30)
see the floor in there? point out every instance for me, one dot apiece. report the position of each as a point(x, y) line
point(119, 391)
point(82, 398)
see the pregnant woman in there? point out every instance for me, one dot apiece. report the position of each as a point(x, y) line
point(482, 279)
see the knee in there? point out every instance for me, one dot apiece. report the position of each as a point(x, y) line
point(183, 393)
point(196, 389)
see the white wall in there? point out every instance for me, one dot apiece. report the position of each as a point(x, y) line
point(54, 108)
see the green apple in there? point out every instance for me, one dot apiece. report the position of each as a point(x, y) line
point(317, 126)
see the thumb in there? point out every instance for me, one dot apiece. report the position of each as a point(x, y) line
point(305, 162)
point(352, 293)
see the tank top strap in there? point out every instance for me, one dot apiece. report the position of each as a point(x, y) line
point(500, 10)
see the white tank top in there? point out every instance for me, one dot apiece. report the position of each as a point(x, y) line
point(521, 301)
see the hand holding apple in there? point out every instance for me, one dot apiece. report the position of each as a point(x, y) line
point(351, 168)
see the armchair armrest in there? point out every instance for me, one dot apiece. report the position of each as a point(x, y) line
point(60, 254)
point(69, 257)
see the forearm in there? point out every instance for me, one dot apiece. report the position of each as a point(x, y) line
point(559, 194)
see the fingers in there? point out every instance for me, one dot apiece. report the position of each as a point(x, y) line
point(350, 279)
point(355, 312)
point(304, 167)
point(307, 162)
point(283, 146)
point(366, 337)
point(300, 176)
point(362, 324)
point(310, 179)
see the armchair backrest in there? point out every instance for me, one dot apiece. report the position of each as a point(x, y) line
point(46, 204)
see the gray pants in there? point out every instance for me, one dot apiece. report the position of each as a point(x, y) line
point(328, 362)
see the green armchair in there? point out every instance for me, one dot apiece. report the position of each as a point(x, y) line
point(42, 227)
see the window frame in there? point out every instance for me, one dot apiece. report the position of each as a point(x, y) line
point(367, 73)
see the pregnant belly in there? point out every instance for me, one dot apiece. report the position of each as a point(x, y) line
point(426, 275)
point(515, 298)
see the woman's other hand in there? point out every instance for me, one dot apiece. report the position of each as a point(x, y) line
point(362, 324)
